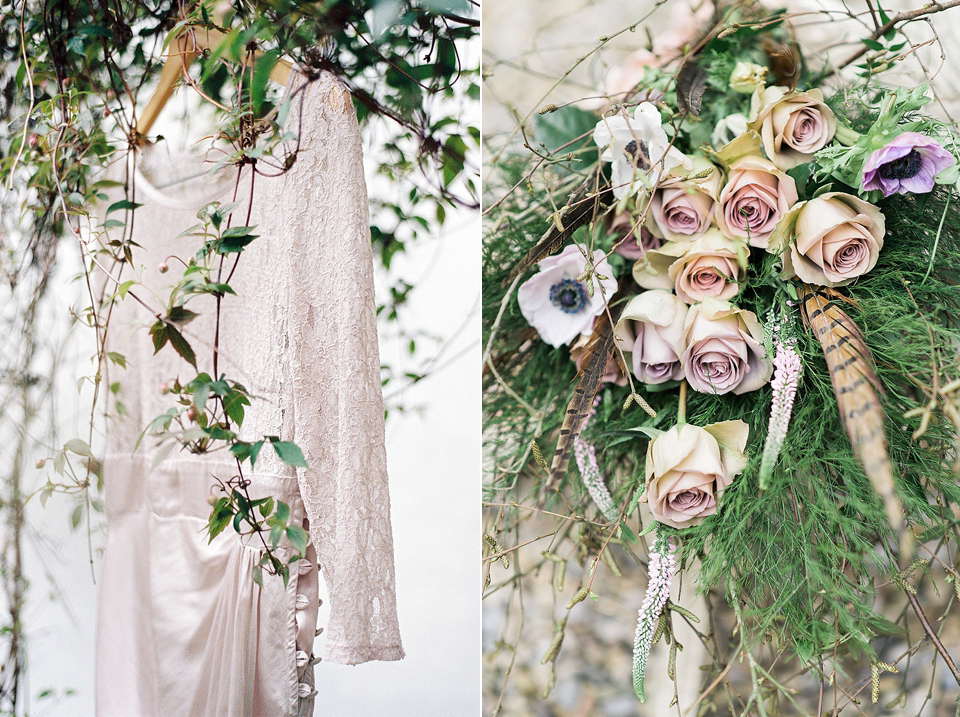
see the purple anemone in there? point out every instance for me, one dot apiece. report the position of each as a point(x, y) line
point(906, 164)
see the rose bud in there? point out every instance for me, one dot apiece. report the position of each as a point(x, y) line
point(747, 77)
point(163, 268)
point(192, 413)
point(689, 467)
point(757, 195)
point(33, 140)
point(829, 240)
point(41, 462)
point(681, 207)
point(723, 349)
point(650, 332)
point(793, 125)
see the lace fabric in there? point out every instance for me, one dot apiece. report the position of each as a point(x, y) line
point(301, 336)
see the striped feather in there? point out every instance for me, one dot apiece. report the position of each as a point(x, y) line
point(857, 387)
point(580, 208)
point(595, 357)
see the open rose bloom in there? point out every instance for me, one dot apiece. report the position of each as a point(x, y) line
point(681, 208)
point(711, 266)
point(649, 332)
point(830, 240)
point(793, 125)
point(723, 349)
point(557, 304)
point(756, 196)
point(688, 468)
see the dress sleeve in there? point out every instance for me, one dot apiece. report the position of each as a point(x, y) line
point(334, 375)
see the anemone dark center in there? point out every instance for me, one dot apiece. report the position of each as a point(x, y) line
point(902, 168)
point(569, 296)
point(639, 152)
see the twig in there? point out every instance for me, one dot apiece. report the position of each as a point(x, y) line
point(929, 9)
point(915, 604)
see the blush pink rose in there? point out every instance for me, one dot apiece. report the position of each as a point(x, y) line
point(650, 331)
point(689, 467)
point(723, 349)
point(793, 125)
point(712, 265)
point(681, 207)
point(756, 196)
point(830, 240)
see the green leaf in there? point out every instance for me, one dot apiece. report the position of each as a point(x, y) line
point(158, 332)
point(181, 315)
point(181, 346)
point(220, 517)
point(266, 508)
point(80, 448)
point(77, 516)
point(569, 128)
point(118, 359)
point(873, 44)
point(283, 512)
point(261, 76)
point(298, 536)
point(122, 204)
point(255, 451)
point(289, 453)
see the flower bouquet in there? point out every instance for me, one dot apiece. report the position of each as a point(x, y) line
point(727, 304)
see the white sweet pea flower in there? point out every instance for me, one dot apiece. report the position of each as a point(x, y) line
point(728, 129)
point(638, 148)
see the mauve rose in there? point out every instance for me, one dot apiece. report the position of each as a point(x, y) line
point(906, 164)
point(622, 227)
point(793, 125)
point(681, 207)
point(757, 195)
point(723, 349)
point(650, 330)
point(688, 468)
point(832, 239)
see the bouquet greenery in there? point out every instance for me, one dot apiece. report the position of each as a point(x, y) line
point(740, 323)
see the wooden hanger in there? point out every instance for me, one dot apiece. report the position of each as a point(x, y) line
point(183, 51)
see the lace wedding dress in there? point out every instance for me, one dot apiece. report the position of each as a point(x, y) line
point(184, 631)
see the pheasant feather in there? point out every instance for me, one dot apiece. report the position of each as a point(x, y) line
point(857, 387)
point(595, 357)
point(581, 207)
